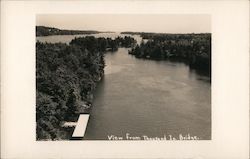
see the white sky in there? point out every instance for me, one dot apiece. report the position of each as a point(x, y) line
point(124, 22)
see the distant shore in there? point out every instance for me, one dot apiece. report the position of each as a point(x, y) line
point(47, 31)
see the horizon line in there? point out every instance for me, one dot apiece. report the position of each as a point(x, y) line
point(105, 31)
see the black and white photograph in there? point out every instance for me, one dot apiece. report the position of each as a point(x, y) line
point(123, 77)
point(134, 79)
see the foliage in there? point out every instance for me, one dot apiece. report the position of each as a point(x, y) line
point(102, 44)
point(66, 76)
point(195, 49)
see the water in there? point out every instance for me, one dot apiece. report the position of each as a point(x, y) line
point(152, 98)
point(68, 38)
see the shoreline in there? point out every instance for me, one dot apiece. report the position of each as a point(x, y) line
point(66, 80)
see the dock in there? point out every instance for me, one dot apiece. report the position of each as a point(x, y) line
point(81, 126)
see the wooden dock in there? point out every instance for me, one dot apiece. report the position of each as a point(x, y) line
point(81, 126)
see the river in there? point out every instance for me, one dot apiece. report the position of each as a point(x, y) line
point(149, 98)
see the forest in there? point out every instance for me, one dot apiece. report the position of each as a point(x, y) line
point(66, 76)
point(194, 49)
point(46, 31)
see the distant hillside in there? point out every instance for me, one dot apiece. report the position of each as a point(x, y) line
point(132, 33)
point(46, 31)
point(149, 35)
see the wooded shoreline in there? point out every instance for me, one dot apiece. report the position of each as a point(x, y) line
point(194, 49)
point(67, 74)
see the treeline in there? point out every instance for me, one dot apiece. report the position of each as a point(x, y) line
point(195, 49)
point(66, 76)
point(46, 31)
point(104, 44)
point(137, 33)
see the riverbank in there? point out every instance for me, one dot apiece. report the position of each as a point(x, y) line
point(128, 85)
point(149, 97)
point(66, 76)
point(193, 49)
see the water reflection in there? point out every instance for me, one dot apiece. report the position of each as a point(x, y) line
point(147, 97)
point(200, 75)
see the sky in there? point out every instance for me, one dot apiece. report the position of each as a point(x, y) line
point(169, 23)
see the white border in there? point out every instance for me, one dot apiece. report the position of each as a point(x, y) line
point(230, 87)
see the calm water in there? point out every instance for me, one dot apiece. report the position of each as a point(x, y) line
point(152, 98)
point(68, 38)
